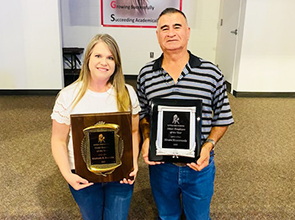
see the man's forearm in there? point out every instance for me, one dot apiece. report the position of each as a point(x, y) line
point(216, 134)
point(145, 127)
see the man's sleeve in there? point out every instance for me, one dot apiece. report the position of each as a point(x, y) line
point(222, 115)
point(143, 102)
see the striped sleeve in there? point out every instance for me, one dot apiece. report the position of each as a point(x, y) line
point(141, 91)
point(222, 115)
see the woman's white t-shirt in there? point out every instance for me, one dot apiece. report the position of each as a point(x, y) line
point(91, 102)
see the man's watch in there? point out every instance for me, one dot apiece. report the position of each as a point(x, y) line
point(212, 142)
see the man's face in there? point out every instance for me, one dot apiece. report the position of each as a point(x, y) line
point(173, 32)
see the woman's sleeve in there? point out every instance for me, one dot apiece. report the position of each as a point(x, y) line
point(61, 112)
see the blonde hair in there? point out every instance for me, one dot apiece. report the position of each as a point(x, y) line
point(117, 79)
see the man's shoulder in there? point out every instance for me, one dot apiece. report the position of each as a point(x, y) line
point(196, 61)
point(207, 67)
point(148, 65)
point(148, 68)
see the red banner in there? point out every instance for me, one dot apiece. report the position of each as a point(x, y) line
point(134, 13)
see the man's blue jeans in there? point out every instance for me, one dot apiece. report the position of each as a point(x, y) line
point(170, 182)
point(107, 201)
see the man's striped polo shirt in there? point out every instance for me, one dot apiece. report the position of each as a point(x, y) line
point(200, 79)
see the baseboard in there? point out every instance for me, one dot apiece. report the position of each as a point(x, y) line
point(131, 80)
point(235, 93)
point(228, 86)
point(130, 77)
point(28, 92)
point(264, 94)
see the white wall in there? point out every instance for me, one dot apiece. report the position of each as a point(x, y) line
point(268, 49)
point(30, 45)
point(203, 18)
point(81, 21)
point(31, 40)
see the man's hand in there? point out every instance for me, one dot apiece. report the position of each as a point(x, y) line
point(145, 153)
point(203, 161)
point(215, 134)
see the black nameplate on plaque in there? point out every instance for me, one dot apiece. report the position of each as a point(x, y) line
point(175, 130)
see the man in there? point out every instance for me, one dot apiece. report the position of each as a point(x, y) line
point(179, 74)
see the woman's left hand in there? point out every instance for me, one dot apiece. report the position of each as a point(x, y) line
point(132, 176)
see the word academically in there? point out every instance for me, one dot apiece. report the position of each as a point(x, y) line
point(133, 20)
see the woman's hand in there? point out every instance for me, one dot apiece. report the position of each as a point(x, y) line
point(132, 176)
point(77, 182)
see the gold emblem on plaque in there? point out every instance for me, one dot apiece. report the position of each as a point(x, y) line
point(101, 138)
point(102, 148)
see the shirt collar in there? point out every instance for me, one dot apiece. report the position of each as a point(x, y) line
point(194, 61)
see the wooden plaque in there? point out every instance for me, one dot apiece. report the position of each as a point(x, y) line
point(80, 122)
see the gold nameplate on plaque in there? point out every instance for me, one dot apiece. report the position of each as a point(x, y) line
point(102, 148)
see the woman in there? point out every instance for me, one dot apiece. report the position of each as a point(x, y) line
point(99, 88)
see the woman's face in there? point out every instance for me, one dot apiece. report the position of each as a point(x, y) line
point(101, 63)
